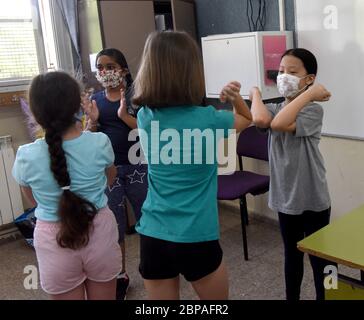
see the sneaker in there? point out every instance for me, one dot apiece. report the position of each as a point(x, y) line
point(122, 286)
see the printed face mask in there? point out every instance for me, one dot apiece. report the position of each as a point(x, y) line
point(109, 78)
point(288, 85)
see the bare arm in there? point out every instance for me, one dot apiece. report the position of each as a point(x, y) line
point(285, 120)
point(92, 113)
point(27, 191)
point(130, 121)
point(241, 121)
point(111, 173)
point(242, 115)
point(91, 126)
point(123, 114)
point(262, 118)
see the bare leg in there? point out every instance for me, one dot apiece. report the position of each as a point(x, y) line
point(77, 293)
point(101, 290)
point(166, 289)
point(214, 286)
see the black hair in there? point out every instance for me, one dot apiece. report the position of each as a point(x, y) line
point(119, 58)
point(307, 57)
point(54, 99)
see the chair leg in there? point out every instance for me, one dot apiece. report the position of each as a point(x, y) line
point(243, 213)
point(243, 203)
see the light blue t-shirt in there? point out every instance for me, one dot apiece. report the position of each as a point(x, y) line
point(181, 204)
point(87, 158)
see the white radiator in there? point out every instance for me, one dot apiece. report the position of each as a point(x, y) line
point(11, 205)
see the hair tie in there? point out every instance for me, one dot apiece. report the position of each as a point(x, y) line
point(66, 188)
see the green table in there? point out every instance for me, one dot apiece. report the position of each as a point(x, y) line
point(342, 241)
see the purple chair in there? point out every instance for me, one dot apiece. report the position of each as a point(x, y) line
point(252, 144)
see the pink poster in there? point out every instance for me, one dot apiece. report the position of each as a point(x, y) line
point(273, 49)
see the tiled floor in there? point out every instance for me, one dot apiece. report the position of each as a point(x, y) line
point(260, 278)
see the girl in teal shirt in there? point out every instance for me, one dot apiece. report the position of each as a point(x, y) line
point(179, 224)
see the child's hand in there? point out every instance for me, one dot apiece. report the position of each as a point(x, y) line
point(122, 111)
point(253, 91)
point(319, 93)
point(90, 108)
point(230, 92)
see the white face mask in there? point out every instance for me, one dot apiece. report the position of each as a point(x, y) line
point(288, 85)
point(109, 78)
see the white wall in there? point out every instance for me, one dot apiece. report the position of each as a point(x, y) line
point(12, 122)
point(345, 173)
point(344, 160)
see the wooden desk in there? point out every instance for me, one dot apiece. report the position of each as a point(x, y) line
point(342, 241)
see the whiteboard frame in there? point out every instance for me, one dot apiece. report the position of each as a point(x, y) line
point(295, 42)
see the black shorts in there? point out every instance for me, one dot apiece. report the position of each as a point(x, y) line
point(160, 259)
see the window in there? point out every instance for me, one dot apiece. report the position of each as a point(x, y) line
point(32, 40)
point(18, 49)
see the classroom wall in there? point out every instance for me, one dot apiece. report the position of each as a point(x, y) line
point(344, 171)
point(343, 157)
point(229, 16)
point(12, 122)
point(90, 37)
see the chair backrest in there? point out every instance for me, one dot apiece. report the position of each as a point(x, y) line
point(253, 144)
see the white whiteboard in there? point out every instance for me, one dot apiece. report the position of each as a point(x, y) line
point(334, 31)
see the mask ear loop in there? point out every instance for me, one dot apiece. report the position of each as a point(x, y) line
point(310, 75)
point(303, 89)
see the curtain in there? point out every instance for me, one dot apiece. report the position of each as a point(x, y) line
point(69, 11)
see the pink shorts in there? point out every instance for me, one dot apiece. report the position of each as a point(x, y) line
point(62, 269)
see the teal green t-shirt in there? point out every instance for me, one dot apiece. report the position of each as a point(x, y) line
point(181, 204)
point(87, 158)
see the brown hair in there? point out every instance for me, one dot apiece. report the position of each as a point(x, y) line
point(54, 99)
point(171, 72)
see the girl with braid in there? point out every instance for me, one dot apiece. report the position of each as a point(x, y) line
point(65, 175)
